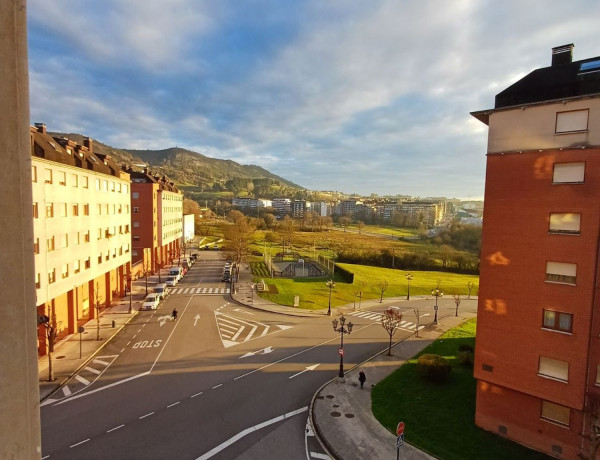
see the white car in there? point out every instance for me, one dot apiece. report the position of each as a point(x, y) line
point(171, 281)
point(151, 302)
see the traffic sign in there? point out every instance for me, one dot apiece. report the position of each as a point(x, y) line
point(341, 351)
point(399, 441)
point(400, 429)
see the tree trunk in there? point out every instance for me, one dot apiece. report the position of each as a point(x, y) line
point(50, 368)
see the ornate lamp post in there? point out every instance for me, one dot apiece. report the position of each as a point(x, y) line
point(408, 278)
point(330, 284)
point(436, 293)
point(342, 331)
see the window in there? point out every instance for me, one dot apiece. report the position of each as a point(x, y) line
point(558, 321)
point(34, 174)
point(555, 413)
point(99, 259)
point(97, 184)
point(125, 188)
point(85, 182)
point(62, 178)
point(87, 263)
point(36, 246)
point(47, 176)
point(51, 276)
point(135, 195)
point(74, 180)
point(136, 237)
point(65, 270)
point(553, 368)
point(558, 272)
point(50, 210)
point(86, 236)
point(135, 210)
point(568, 173)
point(86, 209)
point(77, 266)
point(38, 282)
point(65, 241)
point(75, 209)
point(136, 224)
point(63, 209)
point(50, 244)
point(35, 210)
point(568, 223)
point(572, 122)
point(99, 209)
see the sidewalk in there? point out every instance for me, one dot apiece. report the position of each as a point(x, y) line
point(73, 352)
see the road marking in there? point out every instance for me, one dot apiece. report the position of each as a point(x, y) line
point(237, 334)
point(309, 368)
point(99, 361)
point(247, 431)
point(147, 415)
point(196, 319)
point(262, 351)
point(174, 404)
point(82, 380)
point(217, 386)
point(318, 455)
point(115, 428)
point(79, 443)
point(93, 371)
point(66, 390)
point(197, 394)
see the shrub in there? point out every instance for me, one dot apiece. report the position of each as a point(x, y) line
point(465, 354)
point(433, 368)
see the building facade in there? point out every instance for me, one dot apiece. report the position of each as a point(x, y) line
point(156, 220)
point(82, 239)
point(537, 359)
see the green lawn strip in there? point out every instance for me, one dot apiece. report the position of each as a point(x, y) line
point(440, 417)
point(314, 293)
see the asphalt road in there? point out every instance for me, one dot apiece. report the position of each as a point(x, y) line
point(221, 381)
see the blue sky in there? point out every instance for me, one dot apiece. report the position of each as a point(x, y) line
point(354, 96)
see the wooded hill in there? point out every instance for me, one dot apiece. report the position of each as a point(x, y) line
point(195, 171)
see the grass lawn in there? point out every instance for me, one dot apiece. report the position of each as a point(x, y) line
point(314, 294)
point(440, 417)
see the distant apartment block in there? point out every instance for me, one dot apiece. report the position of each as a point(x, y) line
point(156, 219)
point(537, 358)
point(282, 206)
point(82, 239)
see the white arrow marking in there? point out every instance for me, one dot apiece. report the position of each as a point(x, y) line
point(264, 351)
point(309, 368)
point(283, 328)
point(196, 318)
point(163, 319)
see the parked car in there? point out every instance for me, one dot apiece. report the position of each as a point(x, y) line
point(177, 272)
point(151, 302)
point(161, 290)
point(171, 281)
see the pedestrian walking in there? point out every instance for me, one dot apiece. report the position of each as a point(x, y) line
point(362, 378)
point(174, 313)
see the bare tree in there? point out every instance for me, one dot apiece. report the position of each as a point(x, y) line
point(344, 221)
point(382, 287)
point(470, 286)
point(238, 236)
point(51, 329)
point(97, 308)
point(457, 302)
point(147, 267)
point(360, 224)
point(391, 319)
point(357, 288)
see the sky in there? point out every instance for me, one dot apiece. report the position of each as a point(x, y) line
point(367, 97)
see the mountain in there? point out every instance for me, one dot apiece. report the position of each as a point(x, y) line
point(188, 168)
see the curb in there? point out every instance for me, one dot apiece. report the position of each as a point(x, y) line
point(72, 374)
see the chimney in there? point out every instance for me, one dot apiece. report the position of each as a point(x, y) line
point(41, 128)
point(89, 143)
point(562, 54)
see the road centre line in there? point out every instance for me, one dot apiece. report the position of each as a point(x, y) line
point(147, 415)
point(115, 428)
point(79, 443)
point(247, 431)
point(217, 386)
point(174, 404)
point(197, 394)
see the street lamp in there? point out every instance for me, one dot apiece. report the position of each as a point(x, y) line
point(130, 293)
point(436, 293)
point(342, 331)
point(408, 278)
point(330, 284)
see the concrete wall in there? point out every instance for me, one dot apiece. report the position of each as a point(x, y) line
point(20, 435)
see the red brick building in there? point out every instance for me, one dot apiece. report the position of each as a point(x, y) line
point(538, 333)
point(156, 220)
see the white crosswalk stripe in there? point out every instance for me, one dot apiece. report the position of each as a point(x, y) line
point(407, 325)
point(199, 291)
